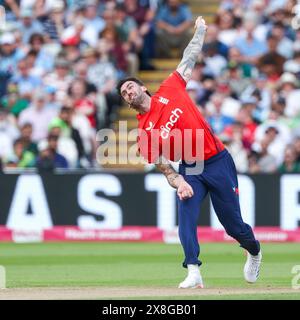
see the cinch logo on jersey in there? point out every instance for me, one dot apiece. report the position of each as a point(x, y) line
point(165, 130)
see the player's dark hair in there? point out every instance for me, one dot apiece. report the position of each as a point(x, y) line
point(136, 80)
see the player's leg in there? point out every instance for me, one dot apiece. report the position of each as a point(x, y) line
point(223, 187)
point(188, 213)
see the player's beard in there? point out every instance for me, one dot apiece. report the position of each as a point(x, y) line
point(137, 102)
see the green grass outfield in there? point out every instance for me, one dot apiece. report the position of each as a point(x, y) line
point(147, 265)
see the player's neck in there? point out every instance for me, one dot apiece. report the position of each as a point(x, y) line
point(145, 105)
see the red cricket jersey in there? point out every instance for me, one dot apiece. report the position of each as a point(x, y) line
point(172, 127)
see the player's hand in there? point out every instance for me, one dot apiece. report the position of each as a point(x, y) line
point(200, 23)
point(184, 190)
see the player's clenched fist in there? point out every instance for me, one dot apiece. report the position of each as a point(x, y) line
point(184, 190)
point(200, 22)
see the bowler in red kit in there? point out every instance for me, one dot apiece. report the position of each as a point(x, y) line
point(171, 128)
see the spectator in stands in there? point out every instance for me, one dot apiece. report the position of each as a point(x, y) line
point(81, 72)
point(257, 9)
point(215, 62)
point(22, 46)
point(290, 164)
point(266, 162)
point(43, 61)
point(288, 89)
point(26, 83)
point(87, 133)
point(296, 144)
point(233, 75)
point(173, 23)
point(228, 26)
point(233, 139)
point(92, 20)
point(111, 49)
point(8, 134)
point(217, 120)
point(284, 45)
point(76, 33)
point(109, 13)
point(245, 116)
point(50, 97)
point(208, 88)
point(12, 9)
point(293, 65)
point(82, 103)
point(49, 158)
point(211, 37)
point(271, 63)
point(66, 146)
point(64, 122)
point(20, 158)
point(279, 136)
point(54, 22)
point(26, 137)
point(278, 107)
point(253, 167)
point(194, 89)
point(128, 35)
point(9, 58)
point(60, 79)
point(70, 49)
point(143, 14)
point(45, 160)
point(28, 25)
point(12, 101)
point(103, 75)
point(205, 82)
point(230, 105)
point(38, 115)
point(250, 47)
point(235, 57)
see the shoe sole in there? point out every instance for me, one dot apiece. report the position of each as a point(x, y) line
point(198, 286)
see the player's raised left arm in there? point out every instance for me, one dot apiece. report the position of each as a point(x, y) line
point(192, 51)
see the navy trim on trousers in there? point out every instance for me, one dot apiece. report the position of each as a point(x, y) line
point(219, 179)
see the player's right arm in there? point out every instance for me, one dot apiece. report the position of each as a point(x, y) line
point(175, 180)
point(191, 52)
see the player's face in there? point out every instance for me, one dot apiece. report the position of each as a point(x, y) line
point(133, 94)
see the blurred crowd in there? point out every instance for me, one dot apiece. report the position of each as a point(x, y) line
point(59, 65)
point(60, 61)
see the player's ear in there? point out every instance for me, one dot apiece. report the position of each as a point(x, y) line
point(144, 88)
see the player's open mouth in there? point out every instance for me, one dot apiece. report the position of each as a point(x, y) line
point(133, 98)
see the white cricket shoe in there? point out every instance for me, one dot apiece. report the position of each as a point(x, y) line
point(252, 266)
point(193, 280)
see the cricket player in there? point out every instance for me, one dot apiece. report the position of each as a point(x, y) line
point(171, 110)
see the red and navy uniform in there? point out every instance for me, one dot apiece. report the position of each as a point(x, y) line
point(172, 110)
